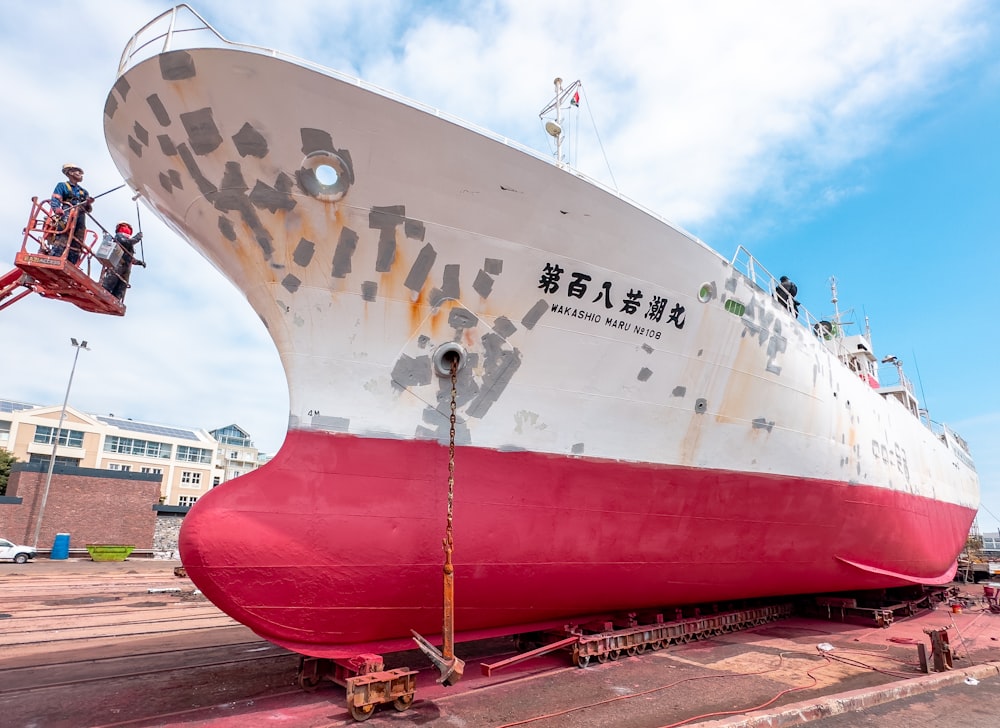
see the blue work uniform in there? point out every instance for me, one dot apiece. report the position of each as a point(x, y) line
point(69, 194)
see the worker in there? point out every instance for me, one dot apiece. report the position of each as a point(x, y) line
point(785, 293)
point(115, 280)
point(66, 196)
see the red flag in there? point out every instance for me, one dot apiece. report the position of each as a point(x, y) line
point(575, 101)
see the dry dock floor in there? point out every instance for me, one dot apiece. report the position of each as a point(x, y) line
point(86, 644)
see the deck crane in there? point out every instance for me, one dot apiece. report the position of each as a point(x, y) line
point(42, 266)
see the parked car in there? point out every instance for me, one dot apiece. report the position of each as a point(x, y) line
point(20, 554)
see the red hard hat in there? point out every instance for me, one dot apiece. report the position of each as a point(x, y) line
point(123, 224)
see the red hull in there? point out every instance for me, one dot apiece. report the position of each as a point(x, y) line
point(334, 547)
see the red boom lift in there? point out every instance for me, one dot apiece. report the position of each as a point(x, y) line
point(41, 271)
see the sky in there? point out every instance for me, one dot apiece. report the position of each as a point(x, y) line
point(844, 139)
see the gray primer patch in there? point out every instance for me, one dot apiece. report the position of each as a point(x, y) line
point(346, 246)
point(385, 220)
point(504, 326)
point(141, 134)
point(776, 345)
point(166, 145)
point(700, 405)
point(315, 140)
point(450, 285)
point(644, 374)
point(531, 318)
point(227, 229)
point(493, 266)
point(499, 368)
point(165, 183)
point(761, 424)
point(483, 285)
point(204, 185)
point(175, 178)
point(461, 319)
point(577, 448)
point(414, 230)
point(158, 109)
point(422, 341)
point(176, 66)
point(386, 250)
point(369, 289)
point(250, 142)
point(233, 198)
point(266, 197)
point(647, 348)
point(201, 130)
point(304, 252)
point(380, 218)
point(122, 86)
point(410, 372)
point(441, 432)
point(135, 146)
point(421, 268)
point(291, 283)
point(330, 424)
point(679, 391)
point(110, 106)
point(284, 184)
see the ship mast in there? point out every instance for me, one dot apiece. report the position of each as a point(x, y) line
point(833, 300)
point(553, 127)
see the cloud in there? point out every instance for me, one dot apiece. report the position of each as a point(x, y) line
point(703, 108)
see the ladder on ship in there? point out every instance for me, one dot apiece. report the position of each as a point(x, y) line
point(43, 266)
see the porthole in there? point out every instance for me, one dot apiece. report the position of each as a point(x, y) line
point(325, 176)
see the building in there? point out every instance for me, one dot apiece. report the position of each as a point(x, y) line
point(236, 454)
point(187, 459)
point(991, 544)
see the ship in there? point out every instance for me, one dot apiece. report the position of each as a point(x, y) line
point(491, 357)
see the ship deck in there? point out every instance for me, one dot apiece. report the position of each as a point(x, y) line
point(131, 644)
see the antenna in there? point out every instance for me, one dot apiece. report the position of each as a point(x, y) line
point(920, 381)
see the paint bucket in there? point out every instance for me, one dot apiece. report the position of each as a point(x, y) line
point(956, 608)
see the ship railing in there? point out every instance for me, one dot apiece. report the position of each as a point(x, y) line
point(830, 333)
point(182, 27)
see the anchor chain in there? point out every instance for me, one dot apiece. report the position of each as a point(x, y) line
point(450, 667)
point(448, 633)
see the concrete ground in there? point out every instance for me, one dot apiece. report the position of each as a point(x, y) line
point(772, 675)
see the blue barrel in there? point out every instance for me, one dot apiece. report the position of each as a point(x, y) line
point(60, 547)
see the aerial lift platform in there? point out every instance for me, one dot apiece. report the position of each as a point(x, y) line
point(42, 265)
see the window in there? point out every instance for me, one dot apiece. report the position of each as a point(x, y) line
point(68, 438)
point(119, 466)
point(232, 436)
point(4, 430)
point(216, 480)
point(153, 471)
point(132, 446)
point(234, 454)
point(189, 478)
point(60, 460)
point(187, 500)
point(193, 454)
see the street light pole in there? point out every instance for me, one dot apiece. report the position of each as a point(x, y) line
point(55, 440)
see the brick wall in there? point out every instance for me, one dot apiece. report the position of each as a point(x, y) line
point(91, 505)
